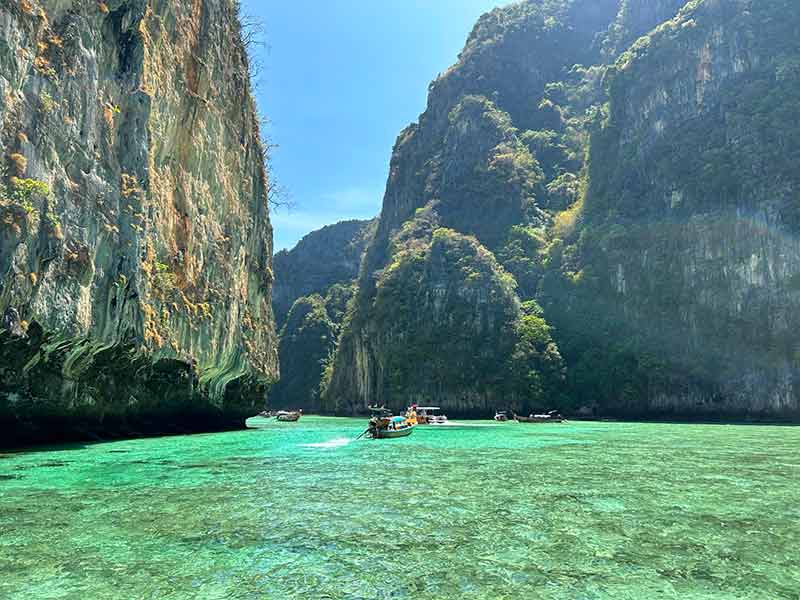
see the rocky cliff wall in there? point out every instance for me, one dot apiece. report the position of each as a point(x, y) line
point(635, 19)
point(135, 241)
point(471, 165)
point(322, 259)
point(314, 283)
point(646, 198)
point(689, 247)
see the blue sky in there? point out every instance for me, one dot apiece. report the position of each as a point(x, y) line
point(338, 80)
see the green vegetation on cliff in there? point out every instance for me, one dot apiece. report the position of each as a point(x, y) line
point(642, 191)
point(473, 190)
point(686, 245)
point(313, 288)
point(307, 341)
point(450, 330)
point(328, 257)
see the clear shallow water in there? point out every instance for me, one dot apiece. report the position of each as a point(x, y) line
point(584, 511)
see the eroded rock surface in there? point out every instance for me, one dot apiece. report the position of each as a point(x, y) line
point(134, 228)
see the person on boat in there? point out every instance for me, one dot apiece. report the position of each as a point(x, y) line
point(411, 414)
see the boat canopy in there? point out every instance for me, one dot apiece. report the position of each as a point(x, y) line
point(398, 419)
point(428, 408)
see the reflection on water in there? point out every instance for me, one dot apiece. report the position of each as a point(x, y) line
point(576, 511)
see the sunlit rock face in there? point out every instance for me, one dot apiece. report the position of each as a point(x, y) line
point(689, 257)
point(135, 237)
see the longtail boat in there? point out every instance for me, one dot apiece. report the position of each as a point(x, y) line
point(396, 427)
point(383, 426)
point(552, 417)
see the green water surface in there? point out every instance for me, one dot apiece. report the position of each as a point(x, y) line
point(581, 511)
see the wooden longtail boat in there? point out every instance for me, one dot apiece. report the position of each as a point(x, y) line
point(386, 427)
point(552, 417)
point(399, 430)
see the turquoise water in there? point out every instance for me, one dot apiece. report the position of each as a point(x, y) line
point(583, 511)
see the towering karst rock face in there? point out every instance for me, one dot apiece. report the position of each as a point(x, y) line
point(634, 19)
point(681, 281)
point(322, 259)
point(643, 192)
point(469, 167)
point(314, 282)
point(135, 241)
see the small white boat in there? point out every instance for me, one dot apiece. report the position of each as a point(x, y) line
point(428, 415)
point(289, 416)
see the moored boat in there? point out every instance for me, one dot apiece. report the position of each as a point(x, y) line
point(426, 415)
point(552, 417)
point(501, 416)
point(289, 416)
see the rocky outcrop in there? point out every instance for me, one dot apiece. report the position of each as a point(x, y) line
point(507, 62)
point(323, 258)
point(641, 189)
point(688, 258)
point(314, 283)
point(471, 165)
point(135, 240)
point(446, 327)
point(635, 19)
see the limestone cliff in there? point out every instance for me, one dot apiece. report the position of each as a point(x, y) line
point(322, 259)
point(634, 19)
point(485, 157)
point(306, 344)
point(642, 190)
point(314, 283)
point(682, 275)
point(135, 241)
